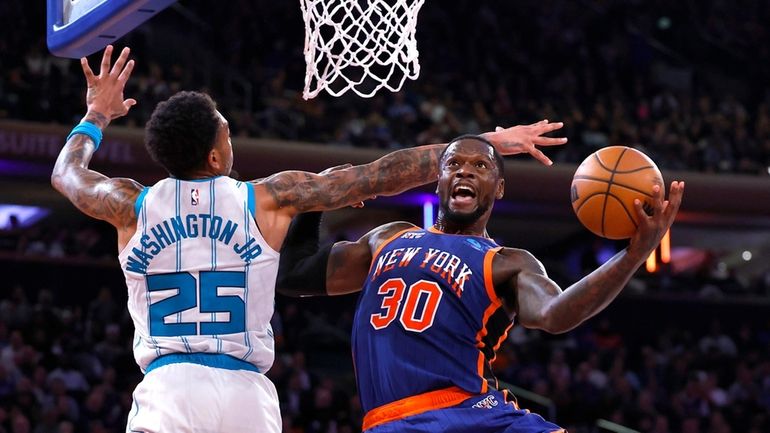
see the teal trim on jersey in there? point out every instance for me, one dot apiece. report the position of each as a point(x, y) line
point(205, 179)
point(213, 360)
point(250, 199)
point(140, 200)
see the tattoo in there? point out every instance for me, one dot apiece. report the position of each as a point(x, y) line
point(97, 119)
point(392, 174)
point(93, 193)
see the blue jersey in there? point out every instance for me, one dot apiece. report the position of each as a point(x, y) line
point(428, 318)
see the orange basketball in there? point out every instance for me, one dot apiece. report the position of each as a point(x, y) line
point(604, 188)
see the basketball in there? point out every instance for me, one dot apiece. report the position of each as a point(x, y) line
point(604, 188)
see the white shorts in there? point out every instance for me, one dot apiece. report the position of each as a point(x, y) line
point(193, 398)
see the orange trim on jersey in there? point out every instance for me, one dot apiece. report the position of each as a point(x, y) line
point(415, 405)
point(493, 306)
point(488, 283)
point(499, 343)
point(386, 242)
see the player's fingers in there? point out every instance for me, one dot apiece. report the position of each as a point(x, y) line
point(548, 127)
point(105, 68)
point(675, 197)
point(117, 68)
point(128, 103)
point(123, 77)
point(657, 199)
point(87, 71)
point(540, 156)
point(549, 141)
point(640, 211)
point(498, 128)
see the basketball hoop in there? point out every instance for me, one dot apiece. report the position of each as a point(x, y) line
point(359, 45)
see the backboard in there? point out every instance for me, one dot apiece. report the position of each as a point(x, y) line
point(77, 28)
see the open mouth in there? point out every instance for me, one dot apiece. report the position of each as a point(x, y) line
point(463, 193)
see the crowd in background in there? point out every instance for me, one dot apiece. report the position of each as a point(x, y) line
point(69, 367)
point(683, 81)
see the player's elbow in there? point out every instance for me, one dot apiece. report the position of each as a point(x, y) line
point(57, 180)
point(554, 323)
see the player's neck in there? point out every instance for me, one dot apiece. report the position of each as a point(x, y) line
point(206, 173)
point(476, 228)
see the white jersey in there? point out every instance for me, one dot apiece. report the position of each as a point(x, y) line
point(200, 276)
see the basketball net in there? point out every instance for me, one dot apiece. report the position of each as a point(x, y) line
point(359, 45)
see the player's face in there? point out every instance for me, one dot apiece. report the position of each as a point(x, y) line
point(469, 181)
point(224, 146)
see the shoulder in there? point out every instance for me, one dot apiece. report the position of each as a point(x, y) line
point(384, 233)
point(511, 261)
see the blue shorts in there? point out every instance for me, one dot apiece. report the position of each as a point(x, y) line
point(485, 413)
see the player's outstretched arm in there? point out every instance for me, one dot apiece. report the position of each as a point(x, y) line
point(96, 195)
point(297, 191)
point(540, 303)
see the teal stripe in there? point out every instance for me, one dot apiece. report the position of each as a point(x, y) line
point(250, 199)
point(212, 192)
point(140, 200)
point(144, 233)
point(213, 360)
point(212, 206)
point(246, 285)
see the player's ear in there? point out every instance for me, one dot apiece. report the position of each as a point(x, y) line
point(500, 189)
point(214, 159)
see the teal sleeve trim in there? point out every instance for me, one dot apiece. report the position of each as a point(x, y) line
point(140, 200)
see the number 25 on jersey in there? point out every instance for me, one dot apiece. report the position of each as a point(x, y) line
point(192, 293)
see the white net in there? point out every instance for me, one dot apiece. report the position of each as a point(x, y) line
point(359, 45)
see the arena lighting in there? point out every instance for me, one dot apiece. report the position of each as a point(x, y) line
point(665, 247)
point(746, 255)
point(26, 215)
point(427, 214)
point(652, 265)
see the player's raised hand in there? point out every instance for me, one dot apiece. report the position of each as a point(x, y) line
point(652, 227)
point(105, 91)
point(526, 138)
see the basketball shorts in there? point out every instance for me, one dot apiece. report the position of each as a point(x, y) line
point(485, 413)
point(204, 393)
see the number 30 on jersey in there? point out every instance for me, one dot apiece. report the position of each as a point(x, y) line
point(410, 318)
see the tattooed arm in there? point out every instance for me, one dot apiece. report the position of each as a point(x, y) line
point(539, 303)
point(296, 191)
point(95, 194)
